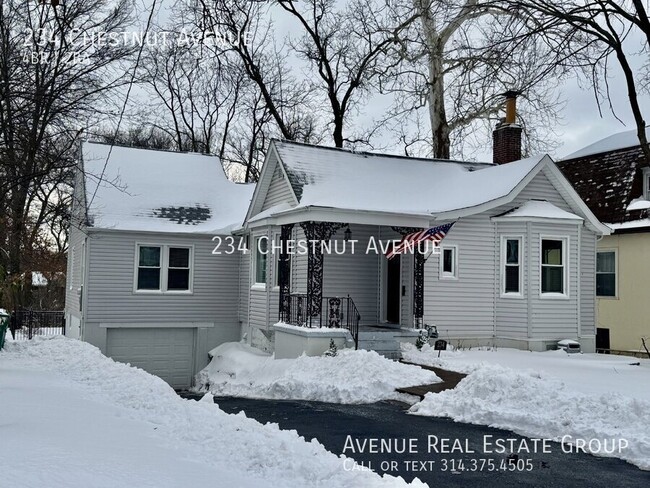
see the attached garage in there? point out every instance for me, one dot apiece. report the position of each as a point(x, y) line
point(165, 352)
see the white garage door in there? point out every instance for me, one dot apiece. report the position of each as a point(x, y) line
point(168, 353)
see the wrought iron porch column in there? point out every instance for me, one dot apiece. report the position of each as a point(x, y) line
point(316, 233)
point(418, 279)
point(418, 290)
point(284, 269)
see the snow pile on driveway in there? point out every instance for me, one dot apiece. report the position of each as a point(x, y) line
point(76, 419)
point(537, 403)
point(350, 377)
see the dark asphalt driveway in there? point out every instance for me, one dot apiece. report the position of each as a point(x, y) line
point(332, 425)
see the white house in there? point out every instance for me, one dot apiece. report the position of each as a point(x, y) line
point(142, 282)
point(149, 285)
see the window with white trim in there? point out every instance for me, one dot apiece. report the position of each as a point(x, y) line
point(261, 252)
point(606, 273)
point(163, 268)
point(553, 266)
point(511, 265)
point(449, 262)
point(646, 183)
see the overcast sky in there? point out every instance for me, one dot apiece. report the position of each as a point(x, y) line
point(581, 124)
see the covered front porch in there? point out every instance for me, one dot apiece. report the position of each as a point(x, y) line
point(342, 280)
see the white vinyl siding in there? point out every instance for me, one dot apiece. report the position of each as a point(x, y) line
point(110, 288)
point(279, 190)
point(464, 307)
point(356, 274)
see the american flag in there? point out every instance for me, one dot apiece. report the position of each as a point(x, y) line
point(410, 241)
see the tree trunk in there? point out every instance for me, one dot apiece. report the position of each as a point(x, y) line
point(435, 84)
point(634, 102)
point(338, 130)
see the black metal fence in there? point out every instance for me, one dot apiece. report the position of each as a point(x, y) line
point(26, 324)
point(335, 312)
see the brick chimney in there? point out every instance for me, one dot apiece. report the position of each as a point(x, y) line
point(506, 138)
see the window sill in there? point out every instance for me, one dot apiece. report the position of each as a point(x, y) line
point(449, 278)
point(258, 287)
point(554, 296)
point(160, 292)
point(512, 296)
point(607, 297)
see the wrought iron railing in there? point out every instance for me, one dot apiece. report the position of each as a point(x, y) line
point(25, 324)
point(335, 312)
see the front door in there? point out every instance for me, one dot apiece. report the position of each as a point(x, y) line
point(393, 285)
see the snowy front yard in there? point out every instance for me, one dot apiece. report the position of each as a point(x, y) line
point(548, 395)
point(72, 418)
point(350, 377)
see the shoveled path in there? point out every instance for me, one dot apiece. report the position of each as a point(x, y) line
point(449, 381)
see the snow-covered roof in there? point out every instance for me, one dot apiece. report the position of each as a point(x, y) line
point(638, 204)
point(614, 142)
point(336, 178)
point(160, 191)
point(609, 180)
point(632, 224)
point(540, 209)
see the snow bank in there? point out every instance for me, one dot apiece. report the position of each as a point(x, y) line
point(541, 404)
point(350, 377)
point(200, 432)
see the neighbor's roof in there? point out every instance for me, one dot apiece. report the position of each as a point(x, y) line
point(160, 191)
point(337, 178)
point(615, 142)
point(608, 181)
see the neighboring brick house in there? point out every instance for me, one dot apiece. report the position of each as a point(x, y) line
point(613, 178)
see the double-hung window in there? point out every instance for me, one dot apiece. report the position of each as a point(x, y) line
point(511, 257)
point(553, 266)
point(163, 268)
point(606, 273)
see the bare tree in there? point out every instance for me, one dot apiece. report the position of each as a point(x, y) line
point(607, 25)
point(250, 38)
point(455, 63)
point(199, 96)
point(322, 71)
point(347, 50)
point(50, 75)
point(142, 135)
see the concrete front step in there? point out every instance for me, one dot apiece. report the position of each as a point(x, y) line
point(385, 341)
